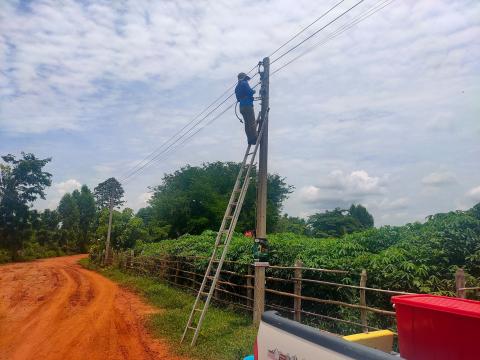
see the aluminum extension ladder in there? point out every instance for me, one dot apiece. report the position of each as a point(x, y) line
point(222, 241)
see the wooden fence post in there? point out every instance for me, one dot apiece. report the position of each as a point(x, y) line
point(259, 294)
point(363, 300)
point(132, 255)
point(297, 301)
point(194, 278)
point(249, 286)
point(177, 270)
point(460, 283)
point(124, 260)
point(163, 270)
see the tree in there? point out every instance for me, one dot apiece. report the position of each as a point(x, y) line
point(86, 208)
point(339, 222)
point(109, 193)
point(291, 224)
point(194, 198)
point(69, 213)
point(126, 230)
point(70, 216)
point(49, 219)
point(22, 181)
point(361, 214)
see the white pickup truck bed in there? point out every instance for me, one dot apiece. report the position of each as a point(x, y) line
point(283, 339)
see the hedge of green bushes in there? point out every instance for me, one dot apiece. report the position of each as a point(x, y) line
point(415, 257)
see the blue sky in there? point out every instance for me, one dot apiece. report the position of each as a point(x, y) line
point(386, 114)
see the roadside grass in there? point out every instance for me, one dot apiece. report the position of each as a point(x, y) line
point(227, 334)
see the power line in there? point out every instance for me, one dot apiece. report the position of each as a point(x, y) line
point(170, 148)
point(152, 155)
point(167, 152)
point(139, 165)
point(132, 173)
point(363, 16)
point(182, 143)
point(316, 32)
point(306, 28)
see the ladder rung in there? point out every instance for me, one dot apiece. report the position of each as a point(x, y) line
point(234, 203)
point(229, 217)
point(191, 327)
point(200, 310)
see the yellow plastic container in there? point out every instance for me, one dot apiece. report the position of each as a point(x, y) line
point(381, 340)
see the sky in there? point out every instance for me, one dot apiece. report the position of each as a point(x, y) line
point(386, 114)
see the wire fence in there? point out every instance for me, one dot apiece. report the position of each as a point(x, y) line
point(323, 298)
point(315, 296)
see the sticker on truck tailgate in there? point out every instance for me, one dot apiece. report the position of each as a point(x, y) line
point(278, 355)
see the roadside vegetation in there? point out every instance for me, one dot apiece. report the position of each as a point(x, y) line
point(186, 208)
point(227, 333)
point(415, 257)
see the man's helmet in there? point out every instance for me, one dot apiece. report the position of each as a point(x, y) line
point(243, 76)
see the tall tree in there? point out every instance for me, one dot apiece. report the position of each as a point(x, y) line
point(291, 224)
point(86, 208)
point(69, 213)
point(339, 222)
point(49, 219)
point(109, 194)
point(22, 181)
point(360, 213)
point(70, 217)
point(194, 198)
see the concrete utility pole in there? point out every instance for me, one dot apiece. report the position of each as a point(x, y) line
point(261, 231)
point(107, 246)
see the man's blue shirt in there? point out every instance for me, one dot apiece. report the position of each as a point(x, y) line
point(244, 93)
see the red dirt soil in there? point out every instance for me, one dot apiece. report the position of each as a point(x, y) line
point(55, 309)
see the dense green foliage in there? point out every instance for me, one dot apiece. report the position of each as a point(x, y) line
point(339, 222)
point(109, 193)
point(22, 181)
point(194, 199)
point(415, 257)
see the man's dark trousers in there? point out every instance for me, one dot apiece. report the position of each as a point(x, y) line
point(250, 127)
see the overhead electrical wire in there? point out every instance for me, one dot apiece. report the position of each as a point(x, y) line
point(317, 31)
point(182, 143)
point(306, 28)
point(363, 16)
point(148, 159)
point(154, 157)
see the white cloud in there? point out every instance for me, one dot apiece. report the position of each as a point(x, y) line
point(100, 85)
point(66, 186)
point(341, 189)
point(394, 205)
point(55, 193)
point(474, 193)
point(439, 179)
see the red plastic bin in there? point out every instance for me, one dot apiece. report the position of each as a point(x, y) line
point(437, 327)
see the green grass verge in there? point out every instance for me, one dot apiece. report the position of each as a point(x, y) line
point(226, 334)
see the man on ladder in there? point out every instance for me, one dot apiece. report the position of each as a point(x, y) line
point(244, 94)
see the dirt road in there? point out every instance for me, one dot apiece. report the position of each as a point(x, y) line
point(55, 309)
